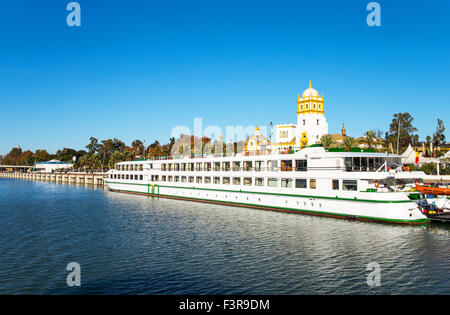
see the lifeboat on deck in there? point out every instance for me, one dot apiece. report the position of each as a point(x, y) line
point(436, 191)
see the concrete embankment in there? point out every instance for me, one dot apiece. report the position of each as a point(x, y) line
point(96, 179)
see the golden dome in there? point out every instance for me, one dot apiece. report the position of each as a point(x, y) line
point(310, 92)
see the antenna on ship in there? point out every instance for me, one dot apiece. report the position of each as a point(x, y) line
point(270, 136)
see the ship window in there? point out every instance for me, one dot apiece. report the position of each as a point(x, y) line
point(177, 178)
point(317, 122)
point(199, 179)
point(207, 180)
point(216, 180)
point(258, 166)
point(163, 178)
point(312, 184)
point(151, 165)
point(259, 181)
point(348, 164)
point(190, 166)
point(247, 181)
point(208, 166)
point(272, 165)
point(226, 180)
point(128, 177)
point(191, 179)
point(304, 122)
point(163, 167)
point(236, 166)
point(136, 177)
point(286, 165)
point(183, 179)
point(363, 164)
point(335, 184)
point(301, 165)
point(286, 182)
point(247, 166)
point(357, 164)
point(371, 165)
point(350, 185)
point(198, 167)
point(141, 167)
point(226, 166)
point(183, 167)
point(176, 166)
point(300, 183)
point(170, 178)
point(217, 166)
point(314, 106)
point(272, 182)
point(236, 180)
point(169, 166)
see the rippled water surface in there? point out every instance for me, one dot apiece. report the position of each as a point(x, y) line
point(127, 244)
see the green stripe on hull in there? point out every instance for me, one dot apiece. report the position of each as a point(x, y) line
point(275, 194)
point(322, 213)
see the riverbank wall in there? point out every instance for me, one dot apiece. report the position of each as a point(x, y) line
point(96, 179)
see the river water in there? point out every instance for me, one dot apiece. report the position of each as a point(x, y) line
point(127, 244)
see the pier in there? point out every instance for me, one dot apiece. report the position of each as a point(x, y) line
point(96, 179)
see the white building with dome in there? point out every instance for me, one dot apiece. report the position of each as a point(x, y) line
point(311, 123)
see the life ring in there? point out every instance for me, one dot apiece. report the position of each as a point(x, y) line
point(388, 168)
point(377, 184)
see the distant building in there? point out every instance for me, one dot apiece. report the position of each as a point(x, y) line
point(51, 166)
point(256, 142)
point(311, 123)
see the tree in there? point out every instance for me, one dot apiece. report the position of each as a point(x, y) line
point(327, 141)
point(138, 146)
point(401, 130)
point(93, 146)
point(27, 158)
point(41, 155)
point(370, 139)
point(348, 143)
point(66, 154)
point(89, 161)
point(13, 157)
point(439, 136)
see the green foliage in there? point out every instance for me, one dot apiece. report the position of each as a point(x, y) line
point(439, 136)
point(401, 131)
point(327, 141)
point(370, 139)
point(348, 143)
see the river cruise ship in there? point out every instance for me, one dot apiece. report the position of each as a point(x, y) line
point(365, 186)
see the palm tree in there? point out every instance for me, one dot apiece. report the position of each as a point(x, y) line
point(370, 138)
point(348, 143)
point(327, 141)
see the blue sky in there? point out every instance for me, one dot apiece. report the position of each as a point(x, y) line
point(136, 69)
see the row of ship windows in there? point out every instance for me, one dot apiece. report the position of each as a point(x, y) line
point(271, 165)
point(247, 181)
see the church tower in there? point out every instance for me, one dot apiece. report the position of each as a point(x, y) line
point(311, 122)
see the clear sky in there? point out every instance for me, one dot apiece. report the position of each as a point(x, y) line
point(135, 69)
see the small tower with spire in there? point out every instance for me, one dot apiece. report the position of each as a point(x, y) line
point(343, 133)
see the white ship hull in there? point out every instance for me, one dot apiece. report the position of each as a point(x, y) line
point(358, 206)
